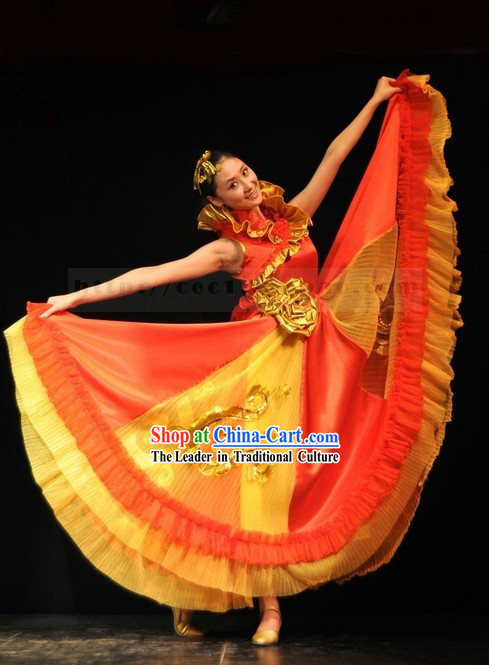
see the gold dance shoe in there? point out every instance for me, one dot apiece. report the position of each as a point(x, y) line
point(268, 636)
point(184, 628)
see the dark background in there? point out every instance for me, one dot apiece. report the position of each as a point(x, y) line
point(105, 110)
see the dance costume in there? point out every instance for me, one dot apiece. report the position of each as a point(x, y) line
point(361, 348)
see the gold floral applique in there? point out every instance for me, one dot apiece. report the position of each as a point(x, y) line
point(256, 403)
point(291, 303)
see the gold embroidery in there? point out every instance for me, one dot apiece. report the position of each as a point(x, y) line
point(385, 317)
point(256, 403)
point(290, 302)
point(381, 345)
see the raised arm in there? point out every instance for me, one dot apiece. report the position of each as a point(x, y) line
point(311, 197)
point(221, 254)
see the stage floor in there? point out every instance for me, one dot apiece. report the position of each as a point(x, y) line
point(149, 640)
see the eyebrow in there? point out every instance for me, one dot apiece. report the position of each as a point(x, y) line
point(242, 164)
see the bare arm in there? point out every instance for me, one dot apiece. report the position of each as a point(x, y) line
point(217, 255)
point(123, 285)
point(311, 197)
point(214, 256)
point(348, 138)
point(204, 261)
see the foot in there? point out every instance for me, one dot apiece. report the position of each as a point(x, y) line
point(270, 619)
point(186, 615)
point(182, 624)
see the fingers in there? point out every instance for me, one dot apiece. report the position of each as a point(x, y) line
point(47, 313)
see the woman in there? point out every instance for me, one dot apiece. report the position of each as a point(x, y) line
point(360, 350)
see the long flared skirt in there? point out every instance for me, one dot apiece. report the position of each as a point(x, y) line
point(213, 536)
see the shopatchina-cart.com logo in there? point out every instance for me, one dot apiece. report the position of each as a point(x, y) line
point(315, 447)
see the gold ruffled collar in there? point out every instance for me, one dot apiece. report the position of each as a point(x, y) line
point(219, 219)
point(216, 218)
point(248, 222)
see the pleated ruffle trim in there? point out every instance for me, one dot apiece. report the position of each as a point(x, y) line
point(420, 402)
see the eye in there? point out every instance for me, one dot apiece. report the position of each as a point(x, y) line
point(233, 183)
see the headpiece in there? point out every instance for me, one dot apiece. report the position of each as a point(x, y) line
point(204, 170)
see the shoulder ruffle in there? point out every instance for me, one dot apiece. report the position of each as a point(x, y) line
point(219, 219)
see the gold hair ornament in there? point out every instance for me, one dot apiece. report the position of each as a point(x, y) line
point(204, 170)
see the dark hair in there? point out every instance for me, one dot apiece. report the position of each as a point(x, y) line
point(209, 188)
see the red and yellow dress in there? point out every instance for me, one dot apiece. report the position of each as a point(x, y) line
point(361, 348)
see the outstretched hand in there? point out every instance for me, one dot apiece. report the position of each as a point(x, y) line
point(384, 89)
point(59, 303)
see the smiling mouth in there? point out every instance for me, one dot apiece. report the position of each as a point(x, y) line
point(253, 195)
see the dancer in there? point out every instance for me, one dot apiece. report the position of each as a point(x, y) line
point(361, 349)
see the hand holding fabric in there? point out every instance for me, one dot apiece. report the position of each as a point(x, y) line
point(60, 303)
point(384, 89)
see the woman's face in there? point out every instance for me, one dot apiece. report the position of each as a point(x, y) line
point(235, 183)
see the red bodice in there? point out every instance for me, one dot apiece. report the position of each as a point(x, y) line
point(278, 245)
